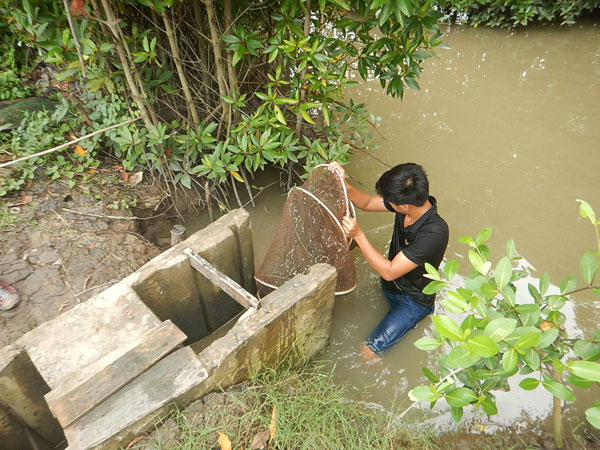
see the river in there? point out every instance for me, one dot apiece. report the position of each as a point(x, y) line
point(507, 126)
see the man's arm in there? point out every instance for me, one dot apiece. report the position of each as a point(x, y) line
point(360, 199)
point(388, 270)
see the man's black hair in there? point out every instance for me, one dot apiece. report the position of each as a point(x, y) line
point(405, 184)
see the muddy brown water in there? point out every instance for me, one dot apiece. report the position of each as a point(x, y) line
point(507, 125)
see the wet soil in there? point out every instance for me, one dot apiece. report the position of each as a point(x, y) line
point(61, 246)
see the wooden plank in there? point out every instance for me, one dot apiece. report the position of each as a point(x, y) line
point(80, 394)
point(237, 292)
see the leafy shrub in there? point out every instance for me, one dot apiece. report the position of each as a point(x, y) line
point(512, 13)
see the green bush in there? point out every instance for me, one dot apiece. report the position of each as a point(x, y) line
point(512, 13)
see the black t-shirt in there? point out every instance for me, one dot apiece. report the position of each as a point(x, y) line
point(423, 241)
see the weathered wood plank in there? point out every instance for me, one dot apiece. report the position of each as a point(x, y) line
point(77, 396)
point(237, 292)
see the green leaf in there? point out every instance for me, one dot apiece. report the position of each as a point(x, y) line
point(587, 349)
point(427, 343)
point(587, 370)
point(489, 406)
point(405, 6)
point(461, 396)
point(483, 236)
point(185, 180)
point(530, 313)
point(412, 83)
point(503, 273)
point(430, 375)
point(593, 416)
point(423, 394)
point(544, 283)
point(279, 114)
point(451, 269)
point(483, 267)
point(448, 328)
point(510, 249)
point(556, 302)
point(461, 358)
point(434, 287)
point(499, 329)
point(454, 303)
point(527, 341)
point(588, 266)
point(307, 117)
point(510, 360)
point(456, 412)
point(483, 346)
point(585, 210)
point(432, 271)
point(532, 358)
point(558, 389)
point(579, 382)
point(529, 384)
point(547, 338)
point(509, 295)
point(568, 284)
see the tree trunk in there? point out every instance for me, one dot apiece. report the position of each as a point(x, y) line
point(202, 50)
point(113, 25)
point(75, 37)
point(233, 85)
point(303, 73)
point(182, 78)
point(557, 415)
point(216, 45)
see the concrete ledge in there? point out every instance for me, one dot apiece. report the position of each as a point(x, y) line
point(298, 314)
point(23, 389)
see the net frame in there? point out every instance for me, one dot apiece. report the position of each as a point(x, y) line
point(349, 211)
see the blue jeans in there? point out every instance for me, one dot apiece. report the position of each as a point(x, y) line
point(403, 316)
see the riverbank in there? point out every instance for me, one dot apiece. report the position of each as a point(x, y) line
point(300, 406)
point(60, 246)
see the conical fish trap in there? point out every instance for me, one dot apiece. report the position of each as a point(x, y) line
point(311, 232)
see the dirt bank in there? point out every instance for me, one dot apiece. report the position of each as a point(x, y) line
point(61, 246)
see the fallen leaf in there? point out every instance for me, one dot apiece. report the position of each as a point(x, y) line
point(91, 246)
point(136, 178)
point(224, 442)
point(118, 167)
point(125, 176)
point(79, 150)
point(135, 441)
point(273, 424)
point(27, 199)
point(260, 440)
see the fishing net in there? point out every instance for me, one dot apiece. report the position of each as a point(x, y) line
point(311, 232)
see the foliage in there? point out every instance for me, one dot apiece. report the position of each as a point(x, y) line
point(43, 130)
point(280, 101)
point(509, 14)
point(11, 86)
point(499, 337)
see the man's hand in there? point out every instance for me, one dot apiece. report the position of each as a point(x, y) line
point(337, 167)
point(351, 227)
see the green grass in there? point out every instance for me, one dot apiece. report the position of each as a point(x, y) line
point(312, 412)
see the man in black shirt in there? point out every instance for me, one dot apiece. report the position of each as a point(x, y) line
point(420, 236)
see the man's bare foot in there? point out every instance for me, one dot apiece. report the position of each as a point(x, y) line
point(368, 355)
